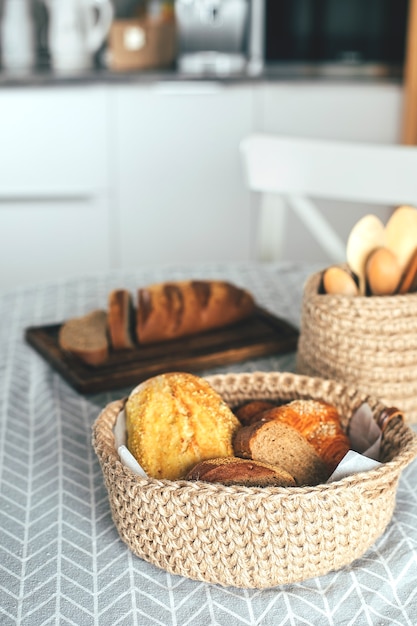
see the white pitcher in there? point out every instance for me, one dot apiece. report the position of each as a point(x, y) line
point(77, 29)
point(17, 36)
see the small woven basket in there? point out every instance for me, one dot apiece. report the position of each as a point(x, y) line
point(255, 537)
point(367, 342)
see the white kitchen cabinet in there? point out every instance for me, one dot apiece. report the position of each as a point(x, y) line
point(347, 111)
point(179, 189)
point(94, 177)
point(54, 183)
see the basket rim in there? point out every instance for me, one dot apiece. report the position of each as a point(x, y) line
point(103, 434)
point(312, 284)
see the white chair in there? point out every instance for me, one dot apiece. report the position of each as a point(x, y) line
point(288, 171)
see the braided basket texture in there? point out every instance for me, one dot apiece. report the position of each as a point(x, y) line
point(254, 537)
point(368, 342)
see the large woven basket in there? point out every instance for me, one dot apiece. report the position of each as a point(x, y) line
point(368, 342)
point(254, 537)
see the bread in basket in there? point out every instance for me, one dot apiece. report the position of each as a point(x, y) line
point(257, 537)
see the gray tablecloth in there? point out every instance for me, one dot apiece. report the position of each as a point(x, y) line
point(61, 559)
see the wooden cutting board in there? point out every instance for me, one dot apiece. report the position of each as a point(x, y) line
point(261, 335)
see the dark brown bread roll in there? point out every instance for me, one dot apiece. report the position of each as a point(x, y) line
point(249, 411)
point(170, 310)
point(278, 444)
point(236, 471)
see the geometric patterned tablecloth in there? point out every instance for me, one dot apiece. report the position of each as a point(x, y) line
point(61, 560)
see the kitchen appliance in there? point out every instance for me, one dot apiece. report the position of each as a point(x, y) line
point(335, 37)
point(213, 35)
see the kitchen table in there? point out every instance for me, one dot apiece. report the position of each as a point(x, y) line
point(61, 559)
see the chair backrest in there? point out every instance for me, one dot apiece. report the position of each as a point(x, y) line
point(298, 169)
point(357, 172)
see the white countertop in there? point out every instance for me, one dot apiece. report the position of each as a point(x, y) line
point(46, 77)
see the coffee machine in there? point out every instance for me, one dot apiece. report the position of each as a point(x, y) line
point(219, 36)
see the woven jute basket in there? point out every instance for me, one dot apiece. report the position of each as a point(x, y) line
point(368, 342)
point(255, 537)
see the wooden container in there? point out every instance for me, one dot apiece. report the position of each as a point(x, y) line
point(142, 43)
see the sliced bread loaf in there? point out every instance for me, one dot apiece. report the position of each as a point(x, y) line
point(319, 422)
point(278, 444)
point(120, 319)
point(176, 309)
point(86, 337)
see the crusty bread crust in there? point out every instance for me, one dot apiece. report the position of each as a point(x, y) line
point(175, 420)
point(120, 319)
point(170, 310)
point(86, 337)
point(236, 471)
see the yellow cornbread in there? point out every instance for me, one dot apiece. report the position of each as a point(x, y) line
point(175, 420)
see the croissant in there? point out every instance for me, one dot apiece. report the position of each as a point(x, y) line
point(319, 422)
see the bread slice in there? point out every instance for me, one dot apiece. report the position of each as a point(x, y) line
point(278, 444)
point(167, 311)
point(319, 422)
point(175, 420)
point(235, 471)
point(86, 337)
point(120, 319)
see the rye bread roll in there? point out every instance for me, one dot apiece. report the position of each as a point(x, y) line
point(176, 309)
point(278, 444)
point(235, 471)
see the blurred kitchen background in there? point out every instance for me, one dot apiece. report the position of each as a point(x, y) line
point(121, 121)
